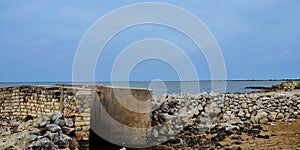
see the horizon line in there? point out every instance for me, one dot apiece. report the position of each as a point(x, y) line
point(284, 79)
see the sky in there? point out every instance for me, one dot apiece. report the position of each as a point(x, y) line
point(258, 39)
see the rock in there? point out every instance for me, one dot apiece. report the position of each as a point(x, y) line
point(280, 116)
point(235, 121)
point(64, 141)
point(44, 143)
point(261, 115)
point(164, 130)
point(248, 115)
point(241, 96)
point(250, 109)
point(244, 105)
point(155, 133)
point(264, 120)
point(171, 132)
point(22, 126)
point(69, 122)
point(60, 122)
point(56, 116)
point(36, 132)
point(32, 137)
point(53, 127)
point(241, 114)
point(41, 121)
point(54, 137)
point(265, 98)
point(272, 116)
point(67, 130)
point(200, 108)
point(254, 119)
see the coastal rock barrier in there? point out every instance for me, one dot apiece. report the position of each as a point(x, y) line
point(177, 115)
point(23, 102)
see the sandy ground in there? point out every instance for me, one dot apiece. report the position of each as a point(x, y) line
point(281, 136)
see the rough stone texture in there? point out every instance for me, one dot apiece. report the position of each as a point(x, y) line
point(20, 102)
point(227, 110)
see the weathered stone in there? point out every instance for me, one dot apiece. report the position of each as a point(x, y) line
point(60, 122)
point(56, 116)
point(244, 105)
point(250, 109)
point(272, 116)
point(234, 121)
point(64, 141)
point(41, 121)
point(53, 127)
point(67, 130)
point(36, 132)
point(264, 120)
point(44, 143)
point(280, 116)
point(248, 115)
point(241, 114)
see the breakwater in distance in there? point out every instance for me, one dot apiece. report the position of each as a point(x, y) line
point(170, 87)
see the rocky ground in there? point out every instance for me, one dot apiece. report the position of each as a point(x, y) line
point(265, 120)
point(46, 132)
point(227, 121)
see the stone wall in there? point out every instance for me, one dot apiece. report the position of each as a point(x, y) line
point(74, 102)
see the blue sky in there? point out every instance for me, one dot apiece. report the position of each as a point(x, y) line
point(258, 39)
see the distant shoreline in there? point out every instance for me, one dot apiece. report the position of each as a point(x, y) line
point(151, 81)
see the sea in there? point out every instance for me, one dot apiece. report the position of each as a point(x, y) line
point(161, 87)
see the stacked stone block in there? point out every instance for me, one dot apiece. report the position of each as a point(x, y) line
point(22, 101)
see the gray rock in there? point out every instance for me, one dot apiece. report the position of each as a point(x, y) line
point(56, 116)
point(54, 137)
point(164, 130)
point(64, 141)
point(53, 127)
point(280, 116)
point(21, 127)
point(32, 137)
point(36, 132)
point(261, 115)
point(44, 143)
point(41, 121)
point(60, 122)
point(69, 122)
point(241, 114)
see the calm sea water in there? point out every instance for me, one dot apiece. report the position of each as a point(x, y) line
point(170, 87)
